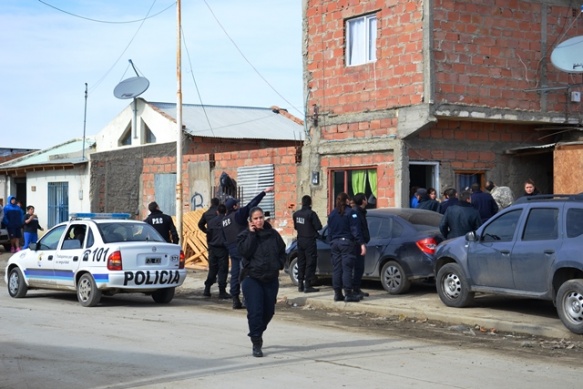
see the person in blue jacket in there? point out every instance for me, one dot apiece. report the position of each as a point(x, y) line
point(13, 217)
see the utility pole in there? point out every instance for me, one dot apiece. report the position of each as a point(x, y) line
point(179, 123)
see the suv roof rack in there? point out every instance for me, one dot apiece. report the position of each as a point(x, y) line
point(94, 215)
point(550, 197)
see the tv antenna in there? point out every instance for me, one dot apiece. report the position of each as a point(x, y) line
point(130, 88)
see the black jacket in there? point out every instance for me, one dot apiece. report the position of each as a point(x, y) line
point(164, 225)
point(427, 203)
point(307, 223)
point(263, 253)
point(214, 234)
point(206, 218)
point(361, 213)
point(459, 220)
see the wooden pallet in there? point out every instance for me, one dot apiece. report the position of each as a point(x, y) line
point(194, 240)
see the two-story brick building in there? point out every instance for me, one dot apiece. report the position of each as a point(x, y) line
point(437, 93)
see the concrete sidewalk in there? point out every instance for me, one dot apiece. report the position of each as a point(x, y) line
point(520, 316)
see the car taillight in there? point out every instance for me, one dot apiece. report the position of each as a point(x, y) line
point(182, 260)
point(114, 261)
point(427, 245)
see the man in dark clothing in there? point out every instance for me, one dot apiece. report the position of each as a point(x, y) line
point(483, 202)
point(345, 233)
point(307, 224)
point(211, 213)
point(218, 254)
point(425, 202)
point(450, 195)
point(360, 203)
point(162, 223)
point(234, 222)
point(460, 219)
point(13, 218)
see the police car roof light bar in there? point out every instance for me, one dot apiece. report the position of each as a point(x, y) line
point(94, 215)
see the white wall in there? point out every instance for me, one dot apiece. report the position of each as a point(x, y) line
point(78, 180)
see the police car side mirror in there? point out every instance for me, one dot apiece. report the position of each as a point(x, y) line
point(471, 236)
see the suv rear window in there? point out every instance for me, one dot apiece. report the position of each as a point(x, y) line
point(574, 222)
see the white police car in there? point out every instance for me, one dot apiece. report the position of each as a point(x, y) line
point(95, 254)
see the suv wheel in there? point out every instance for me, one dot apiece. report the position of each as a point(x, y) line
point(570, 305)
point(452, 287)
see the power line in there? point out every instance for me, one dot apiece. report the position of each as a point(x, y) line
point(195, 84)
point(105, 21)
point(245, 58)
point(126, 48)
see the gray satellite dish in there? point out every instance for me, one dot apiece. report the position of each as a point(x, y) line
point(568, 55)
point(131, 87)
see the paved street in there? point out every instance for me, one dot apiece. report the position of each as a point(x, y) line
point(522, 316)
point(50, 341)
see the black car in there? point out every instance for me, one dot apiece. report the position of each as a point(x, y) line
point(401, 247)
point(531, 249)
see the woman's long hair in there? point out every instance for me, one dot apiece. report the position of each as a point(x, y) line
point(341, 200)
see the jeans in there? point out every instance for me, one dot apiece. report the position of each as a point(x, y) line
point(260, 298)
point(30, 237)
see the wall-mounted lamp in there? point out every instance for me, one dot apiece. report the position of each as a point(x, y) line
point(315, 178)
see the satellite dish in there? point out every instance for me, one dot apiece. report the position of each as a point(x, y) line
point(132, 87)
point(568, 55)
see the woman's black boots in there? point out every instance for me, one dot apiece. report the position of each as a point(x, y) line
point(257, 344)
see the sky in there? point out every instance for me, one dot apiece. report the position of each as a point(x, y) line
point(49, 49)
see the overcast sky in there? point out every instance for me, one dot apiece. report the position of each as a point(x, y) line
point(47, 56)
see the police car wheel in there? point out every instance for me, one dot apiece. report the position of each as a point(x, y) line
point(16, 286)
point(163, 296)
point(87, 292)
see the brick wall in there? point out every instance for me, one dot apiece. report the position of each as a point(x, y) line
point(286, 170)
point(494, 53)
point(395, 79)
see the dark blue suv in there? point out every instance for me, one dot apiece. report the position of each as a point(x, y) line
point(533, 248)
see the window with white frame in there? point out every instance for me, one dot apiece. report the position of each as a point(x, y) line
point(361, 38)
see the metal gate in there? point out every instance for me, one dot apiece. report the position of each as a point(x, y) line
point(58, 203)
point(165, 189)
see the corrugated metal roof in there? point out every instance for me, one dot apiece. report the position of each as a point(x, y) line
point(213, 121)
point(65, 153)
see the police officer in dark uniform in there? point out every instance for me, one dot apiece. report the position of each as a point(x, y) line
point(307, 224)
point(345, 234)
point(218, 254)
point(211, 213)
point(234, 222)
point(360, 203)
point(162, 223)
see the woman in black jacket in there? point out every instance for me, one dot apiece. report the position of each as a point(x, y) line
point(263, 252)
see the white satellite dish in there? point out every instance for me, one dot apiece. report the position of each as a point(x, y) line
point(131, 87)
point(568, 55)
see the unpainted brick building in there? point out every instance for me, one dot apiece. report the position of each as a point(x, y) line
point(438, 93)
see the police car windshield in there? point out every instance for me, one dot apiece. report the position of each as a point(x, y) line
point(128, 232)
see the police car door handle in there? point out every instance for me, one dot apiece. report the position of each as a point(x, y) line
point(549, 252)
point(504, 252)
point(50, 257)
point(75, 258)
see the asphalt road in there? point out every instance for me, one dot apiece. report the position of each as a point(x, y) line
point(47, 340)
point(490, 313)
